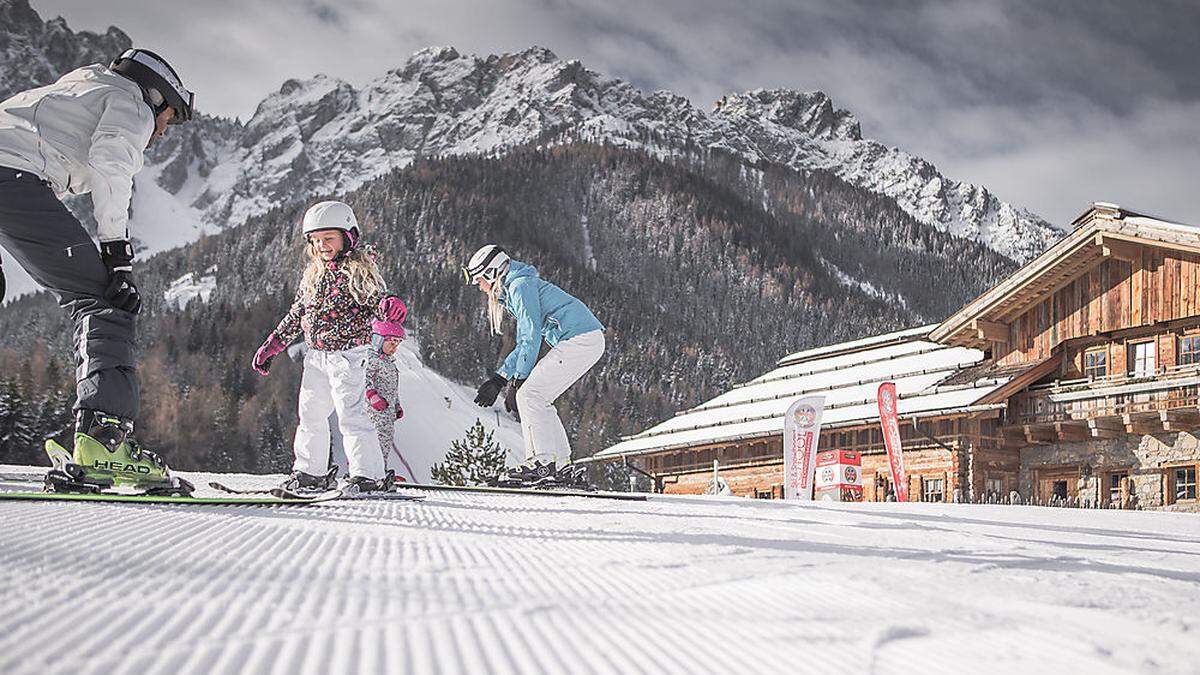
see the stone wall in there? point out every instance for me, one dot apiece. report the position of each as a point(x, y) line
point(1144, 456)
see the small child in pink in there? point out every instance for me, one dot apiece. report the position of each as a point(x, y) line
point(383, 383)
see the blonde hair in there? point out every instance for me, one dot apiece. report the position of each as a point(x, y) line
point(359, 266)
point(495, 309)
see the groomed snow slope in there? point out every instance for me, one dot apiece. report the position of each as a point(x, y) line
point(498, 583)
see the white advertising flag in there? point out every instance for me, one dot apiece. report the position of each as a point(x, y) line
point(801, 432)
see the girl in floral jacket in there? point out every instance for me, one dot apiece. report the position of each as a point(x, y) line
point(341, 292)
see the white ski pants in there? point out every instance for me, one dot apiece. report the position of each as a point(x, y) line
point(561, 367)
point(336, 382)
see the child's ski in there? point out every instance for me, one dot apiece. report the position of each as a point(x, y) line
point(546, 492)
point(289, 494)
point(236, 491)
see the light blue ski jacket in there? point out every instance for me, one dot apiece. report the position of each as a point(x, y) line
point(542, 311)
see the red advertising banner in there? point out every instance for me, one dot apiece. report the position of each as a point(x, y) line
point(801, 433)
point(888, 403)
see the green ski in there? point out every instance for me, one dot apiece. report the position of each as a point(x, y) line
point(246, 500)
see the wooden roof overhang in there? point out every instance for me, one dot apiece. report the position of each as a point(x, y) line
point(1103, 232)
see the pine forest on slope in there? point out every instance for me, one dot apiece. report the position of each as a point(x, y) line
point(699, 283)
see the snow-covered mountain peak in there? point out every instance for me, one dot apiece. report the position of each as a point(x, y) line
point(810, 112)
point(35, 52)
point(321, 135)
point(300, 107)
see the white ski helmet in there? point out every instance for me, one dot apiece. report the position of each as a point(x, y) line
point(332, 215)
point(485, 264)
point(161, 86)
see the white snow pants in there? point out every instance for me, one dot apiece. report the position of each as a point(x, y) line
point(336, 382)
point(561, 367)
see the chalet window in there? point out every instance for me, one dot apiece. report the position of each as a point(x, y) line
point(933, 490)
point(994, 486)
point(1143, 358)
point(1183, 482)
point(1189, 350)
point(1115, 494)
point(1095, 363)
point(1058, 490)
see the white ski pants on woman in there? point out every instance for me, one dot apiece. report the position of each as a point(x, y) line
point(561, 367)
point(336, 382)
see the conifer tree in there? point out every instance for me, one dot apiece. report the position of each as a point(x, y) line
point(471, 460)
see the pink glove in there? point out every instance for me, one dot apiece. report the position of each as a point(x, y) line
point(399, 412)
point(393, 308)
point(377, 402)
point(267, 352)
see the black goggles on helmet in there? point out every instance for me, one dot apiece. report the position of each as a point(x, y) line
point(484, 268)
point(154, 74)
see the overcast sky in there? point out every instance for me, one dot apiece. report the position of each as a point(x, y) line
point(1051, 104)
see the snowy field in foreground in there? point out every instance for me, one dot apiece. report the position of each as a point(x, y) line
point(498, 583)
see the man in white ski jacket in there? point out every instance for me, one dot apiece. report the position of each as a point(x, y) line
point(86, 133)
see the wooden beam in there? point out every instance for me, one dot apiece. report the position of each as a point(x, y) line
point(1106, 427)
point(1142, 423)
point(990, 330)
point(1179, 419)
point(1037, 434)
point(1072, 431)
point(1117, 249)
point(1013, 437)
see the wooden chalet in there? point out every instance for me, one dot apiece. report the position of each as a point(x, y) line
point(1074, 380)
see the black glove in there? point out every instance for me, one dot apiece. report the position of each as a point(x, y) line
point(510, 395)
point(1, 281)
point(118, 259)
point(488, 391)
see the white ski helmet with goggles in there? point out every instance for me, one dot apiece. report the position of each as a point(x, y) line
point(485, 264)
point(161, 86)
point(333, 215)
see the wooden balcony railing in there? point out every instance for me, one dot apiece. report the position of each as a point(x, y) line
point(1168, 389)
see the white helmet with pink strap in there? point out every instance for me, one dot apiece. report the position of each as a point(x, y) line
point(332, 215)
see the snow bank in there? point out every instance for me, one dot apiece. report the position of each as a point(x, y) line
point(438, 412)
point(189, 287)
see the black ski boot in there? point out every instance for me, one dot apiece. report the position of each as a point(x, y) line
point(301, 483)
point(572, 477)
point(529, 474)
point(356, 485)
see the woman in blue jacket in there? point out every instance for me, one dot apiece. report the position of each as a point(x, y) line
point(542, 311)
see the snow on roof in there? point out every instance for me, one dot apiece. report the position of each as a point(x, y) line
point(855, 345)
point(848, 376)
point(1113, 211)
point(1147, 221)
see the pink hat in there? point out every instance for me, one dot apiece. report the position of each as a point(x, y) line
point(394, 311)
point(387, 328)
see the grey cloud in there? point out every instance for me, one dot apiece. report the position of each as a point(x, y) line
point(324, 12)
point(1093, 97)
